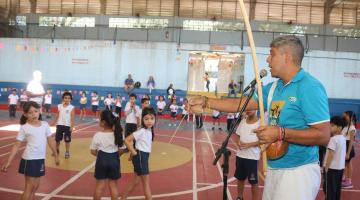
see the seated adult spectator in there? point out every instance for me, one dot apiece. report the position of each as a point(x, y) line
point(151, 83)
point(232, 88)
point(129, 84)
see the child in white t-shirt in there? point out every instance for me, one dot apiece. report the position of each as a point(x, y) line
point(230, 119)
point(105, 146)
point(108, 102)
point(173, 110)
point(248, 154)
point(95, 104)
point(47, 103)
point(118, 106)
point(65, 122)
point(185, 110)
point(83, 102)
point(160, 105)
point(334, 161)
point(23, 98)
point(37, 134)
point(132, 119)
point(140, 154)
point(216, 118)
point(13, 102)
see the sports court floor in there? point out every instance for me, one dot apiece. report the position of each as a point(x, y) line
point(180, 165)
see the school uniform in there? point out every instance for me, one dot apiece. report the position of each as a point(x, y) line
point(333, 177)
point(13, 101)
point(107, 159)
point(247, 159)
point(143, 138)
point(346, 133)
point(118, 107)
point(132, 115)
point(160, 106)
point(83, 101)
point(173, 110)
point(108, 103)
point(23, 98)
point(47, 102)
point(230, 119)
point(64, 123)
point(95, 103)
point(33, 158)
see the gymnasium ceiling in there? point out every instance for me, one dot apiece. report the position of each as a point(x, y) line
point(335, 12)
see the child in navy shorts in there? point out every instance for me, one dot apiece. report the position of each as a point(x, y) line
point(105, 146)
point(37, 134)
point(141, 152)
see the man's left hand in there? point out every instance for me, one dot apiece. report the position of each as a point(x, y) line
point(267, 134)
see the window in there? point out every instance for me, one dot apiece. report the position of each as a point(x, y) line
point(138, 23)
point(19, 20)
point(67, 21)
point(198, 25)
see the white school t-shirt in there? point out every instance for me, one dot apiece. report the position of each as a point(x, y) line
point(230, 116)
point(118, 103)
point(108, 101)
point(174, 108)
point(131, 114)
point(95, 100)
point(64, 115)
point(36, 138)
point(337, 144)
point(24, 98)
point(13, 99)
point(346, 133)
point(161, 105)
point(246, 133)
point(104, 141)
point(143, 138)
point(47, 99)
point(215, 113)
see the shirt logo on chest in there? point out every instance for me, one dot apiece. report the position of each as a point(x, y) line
point(292, 99)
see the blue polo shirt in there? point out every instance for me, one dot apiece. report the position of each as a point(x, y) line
point(297, 105)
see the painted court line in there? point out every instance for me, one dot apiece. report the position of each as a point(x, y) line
point(195, 196)
point(217, 164)
point(68, 182)
point(7, 145)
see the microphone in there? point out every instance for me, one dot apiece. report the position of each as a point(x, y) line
point(263, 73)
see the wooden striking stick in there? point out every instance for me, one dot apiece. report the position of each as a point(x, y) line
point(256, 70)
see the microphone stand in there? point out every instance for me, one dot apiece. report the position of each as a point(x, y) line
point(223, 149)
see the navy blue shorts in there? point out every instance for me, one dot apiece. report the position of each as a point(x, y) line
point(32, 168)
point(216, 117)
point(141, 163)
point(82, 106)
point(173, 115)
point(247, 168)
point(94, 108)
point(107, 166)
point(47, 107)
point(63, 131)
point(352, 151)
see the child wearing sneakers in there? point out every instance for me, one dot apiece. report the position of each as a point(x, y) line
point(334, 161)
point(216, 118)
point(64, 121)
point(248, 155)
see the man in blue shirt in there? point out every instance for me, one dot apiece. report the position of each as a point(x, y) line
point(129, 84)
point(297, 104)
